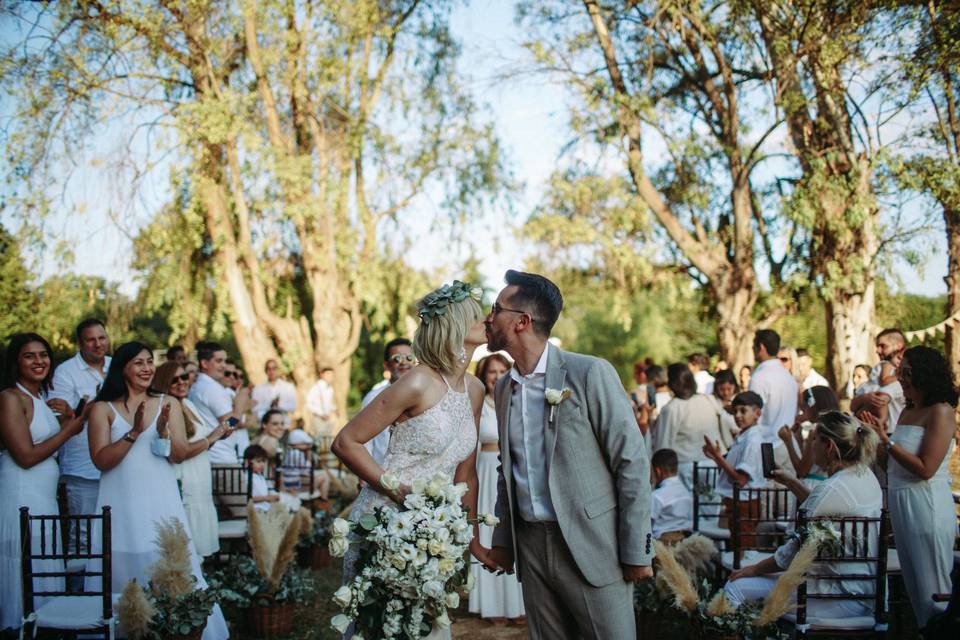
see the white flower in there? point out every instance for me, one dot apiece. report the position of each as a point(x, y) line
point(442, 621)
point(433, 589)
point(408, 552)
point(398, 562)
point(553, 396)
point(452, 600)
point(471, 581)
point(338, 546)
point(357, 636)
point(389, 482)
point(437, 547)
point(476, 293)
point(435, 487)
point(489, 519)
point(418, 486)
point(340, 528)
point(340, 622)
point(414, 501)
point(441, 535)
point(343, 596)
point(422, 544)
point(446, 566)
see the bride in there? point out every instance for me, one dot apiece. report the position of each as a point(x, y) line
point(433, 411)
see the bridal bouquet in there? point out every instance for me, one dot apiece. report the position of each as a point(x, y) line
point(412, 563)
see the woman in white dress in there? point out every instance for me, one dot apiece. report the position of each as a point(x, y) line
point(495, 597)
point(139, 486)
point(30, 437)
point(194, 474)
point(921, 504)
point(435, 413)
point(844, 448)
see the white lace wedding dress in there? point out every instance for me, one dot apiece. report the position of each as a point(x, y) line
point(435, 441)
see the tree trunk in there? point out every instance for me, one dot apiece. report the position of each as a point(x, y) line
point(735, 324)
point(952, 344)
point(850, 335)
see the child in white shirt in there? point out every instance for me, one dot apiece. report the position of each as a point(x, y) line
point(256, 458)
point(671, 510)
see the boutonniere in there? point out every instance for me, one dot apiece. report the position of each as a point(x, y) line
point(554, 398)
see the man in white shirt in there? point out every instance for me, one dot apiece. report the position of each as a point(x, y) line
point(887, 402)
point(79, 378)
point(398, 358)
point(699, 364)
point(275, 393)
point(807, 373)
point(774, 384)
point(214, 402)
point(322, 405)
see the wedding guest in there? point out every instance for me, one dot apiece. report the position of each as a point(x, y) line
point(772, 381)
point(275, 393)
point(497, 598)
point(30, 436)
point(176, 354)
point(813, 402)
point(255, 457)
point(642, 393)
point(844, 449)
point(272, 432)
point(788, 358)
point(398, 358)
point(215, 404)
point(686, 421)
point(297, 455)
point(671, 510)
point(745, 372)
point(699, 364)
point(920, 499)
point(806, 374)
point(79, 379)
point(725, 388)
point(888, 400)
point(861, 378)
point(139, 485)
point(192, 368)
point(322, 406)
point(657, 376)
point(193, 473)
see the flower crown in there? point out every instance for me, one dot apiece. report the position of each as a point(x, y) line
point(435, 303)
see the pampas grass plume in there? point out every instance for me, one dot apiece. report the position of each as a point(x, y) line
point(719, 606)
point(676, 578)
point(135, 611)
point(777, 601)
point(172, 573)
point(696, 554)
point(288, 547)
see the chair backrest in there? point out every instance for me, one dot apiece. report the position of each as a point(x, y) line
point(707, 503)
point(760, 518)
point(45, 538)
point(860, 556)
point(232, 487)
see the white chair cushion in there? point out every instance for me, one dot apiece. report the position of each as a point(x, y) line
point(893, 561)
point(750, 556)
point(72, 612)
point(712, 531)
point(232, 528)
point(851, 623)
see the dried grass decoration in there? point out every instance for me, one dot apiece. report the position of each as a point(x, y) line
point(273, 539)
point(172, 574)
point(135, 611)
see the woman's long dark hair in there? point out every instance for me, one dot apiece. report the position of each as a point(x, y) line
point(725, 375)
point(930, 375)
point(114, 386)
point(11, 366)
point(681, 381)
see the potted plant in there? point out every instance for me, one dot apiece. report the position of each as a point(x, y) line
point(172, 606)
point(312, 549)
point(267, 586)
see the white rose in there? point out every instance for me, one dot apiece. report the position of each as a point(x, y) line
point(489, 519)
point(476, 293)
point(340, 527)
point(446, 566)
point(418, 486)
point(442, 621)
point(357, 636)
point(471, 581)
point(340, 622)
point(338, 546)
point(389, 482)
point(398, 561)
point(343, 596)
point(408, 552)
point(436, 547)
point(422, 544)
point(553, 396)
point(435, 488)
point(433, 589)
point(452, 600)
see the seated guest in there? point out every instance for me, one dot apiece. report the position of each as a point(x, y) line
point(813, 402)
point(297, 456)
point(256, 458)
point(743, 463)
point(272, 432)
point(844, 449)
point(671, 510)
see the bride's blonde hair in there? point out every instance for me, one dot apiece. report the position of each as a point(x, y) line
point(446, 314)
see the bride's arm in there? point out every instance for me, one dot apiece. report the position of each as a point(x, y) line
point(402, 397)
point(467, 473)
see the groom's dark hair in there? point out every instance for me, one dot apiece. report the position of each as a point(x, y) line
point(539, 296)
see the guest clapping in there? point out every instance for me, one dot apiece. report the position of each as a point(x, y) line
point(813, 402)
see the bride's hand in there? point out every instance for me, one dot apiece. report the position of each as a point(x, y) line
point(400, 494)
point(482, 554)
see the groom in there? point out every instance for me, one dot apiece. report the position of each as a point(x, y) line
point(573, 495)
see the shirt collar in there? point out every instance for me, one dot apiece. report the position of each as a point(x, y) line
point(666, 482)
point(539, 370)
point(85, 365)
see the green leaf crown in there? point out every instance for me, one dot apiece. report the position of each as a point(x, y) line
point(435, 303)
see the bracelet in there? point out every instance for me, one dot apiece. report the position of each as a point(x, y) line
point(128, 437)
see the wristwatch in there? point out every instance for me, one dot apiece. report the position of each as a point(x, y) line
point(129, 438)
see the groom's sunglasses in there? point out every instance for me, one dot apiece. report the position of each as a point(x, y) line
point(496, 308)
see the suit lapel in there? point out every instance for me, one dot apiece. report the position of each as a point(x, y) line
point(503, 398)
point(556, 375)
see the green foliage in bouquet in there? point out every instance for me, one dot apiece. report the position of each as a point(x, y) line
point(240, 583)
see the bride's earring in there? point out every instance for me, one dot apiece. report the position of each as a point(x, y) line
point(463, 355)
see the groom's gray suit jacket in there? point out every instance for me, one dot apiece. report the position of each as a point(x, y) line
point(599, 473)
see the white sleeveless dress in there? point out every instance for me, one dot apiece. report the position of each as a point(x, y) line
point(196, 486)
point(35, 488)
point(141, 491)
point(435, 441)
point(493, 596)
point(924, 524)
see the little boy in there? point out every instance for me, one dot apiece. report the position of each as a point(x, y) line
point(255, 457)
point(672, 503)
point(744, 461)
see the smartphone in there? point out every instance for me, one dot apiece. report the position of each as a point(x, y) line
point(80, 405)
point(232, 422)
point(766, 452)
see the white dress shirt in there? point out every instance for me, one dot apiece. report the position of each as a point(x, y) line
point(704, 382)
point(212, 401)
point(377, 446)
point(671, 507)
point(780, 392)
point(73, 380)
point(744, 455)
point(528, 448)
point(320, 400)
point(259, 488)
point(814, 379)
point(266, 392)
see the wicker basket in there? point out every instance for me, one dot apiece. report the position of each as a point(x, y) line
point(318, 557)
point(196, 634)
point(273, 620)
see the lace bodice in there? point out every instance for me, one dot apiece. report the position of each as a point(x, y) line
point(435, 441)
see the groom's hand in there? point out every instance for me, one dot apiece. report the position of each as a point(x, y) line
point(636, 573)
point(502, 557)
